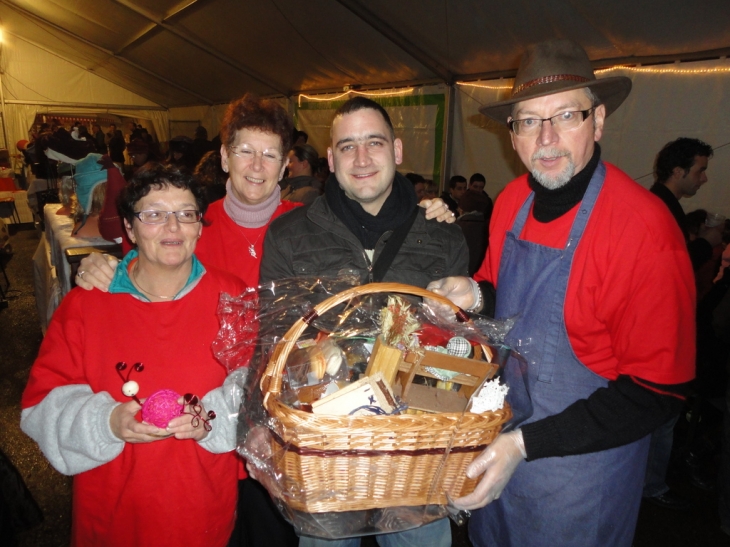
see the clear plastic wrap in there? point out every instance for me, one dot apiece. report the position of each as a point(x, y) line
point(329, 475)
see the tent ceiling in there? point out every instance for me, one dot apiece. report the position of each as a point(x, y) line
point(186, 52)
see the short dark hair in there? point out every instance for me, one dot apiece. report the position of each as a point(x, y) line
point(477, 176)
point(306, 152)
point(455, 180)
point(415, 178)
point(679, 153)
point(359, 103)
point(250, 112)
point(156, 176)
point(298, 133)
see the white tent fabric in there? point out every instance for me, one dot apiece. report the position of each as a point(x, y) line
point(36, 81)
point(207, 52)
point(33, 74)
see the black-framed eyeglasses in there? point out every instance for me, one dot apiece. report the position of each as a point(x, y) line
point(564, 121)
point(187, 216)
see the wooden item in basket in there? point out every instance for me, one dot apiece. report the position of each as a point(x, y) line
point(400, 368)
point(344, 463)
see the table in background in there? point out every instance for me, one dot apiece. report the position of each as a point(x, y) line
point(52, 272)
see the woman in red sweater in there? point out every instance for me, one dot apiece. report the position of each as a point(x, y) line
point(136, 483)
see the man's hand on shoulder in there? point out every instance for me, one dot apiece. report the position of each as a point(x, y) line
point(96, 271)
point(438, 210)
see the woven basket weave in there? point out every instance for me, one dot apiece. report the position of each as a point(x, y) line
point(344, 463)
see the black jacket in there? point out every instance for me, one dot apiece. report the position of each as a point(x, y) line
point(311, 240)
point(700, 250)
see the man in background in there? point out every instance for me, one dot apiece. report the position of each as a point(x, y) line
point(451, 197)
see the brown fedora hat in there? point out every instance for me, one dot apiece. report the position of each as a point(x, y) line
point(553, 67)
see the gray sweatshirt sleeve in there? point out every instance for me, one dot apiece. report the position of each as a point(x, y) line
point(71, 426)
point(225, 402)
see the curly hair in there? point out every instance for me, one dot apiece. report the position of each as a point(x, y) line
point(156, 176)
point(250, 112)
point(680, 153)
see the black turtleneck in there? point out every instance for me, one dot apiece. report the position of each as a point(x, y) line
point(551, 204)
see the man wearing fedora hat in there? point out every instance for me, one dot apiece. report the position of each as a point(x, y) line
point(603, 305)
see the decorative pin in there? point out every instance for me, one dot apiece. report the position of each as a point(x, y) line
point(130, 388)
point(197, 412)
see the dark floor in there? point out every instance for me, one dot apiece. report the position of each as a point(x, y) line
point(20, 337)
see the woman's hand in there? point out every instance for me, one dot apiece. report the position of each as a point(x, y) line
point(96, 271)
point(190, 425)
point(436, 208)
point(126, 427)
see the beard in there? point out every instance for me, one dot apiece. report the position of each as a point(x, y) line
point(556, 180)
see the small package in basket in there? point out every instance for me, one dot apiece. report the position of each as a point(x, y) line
point(372, 430)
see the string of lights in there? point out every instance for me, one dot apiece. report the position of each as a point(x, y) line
point(505, 86)
point(484, 86)
point(666, 70)
point(390, 93)
point(628, 68)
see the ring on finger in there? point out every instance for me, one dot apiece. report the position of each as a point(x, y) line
point(81, 274)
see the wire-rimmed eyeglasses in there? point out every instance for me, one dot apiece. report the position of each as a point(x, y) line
point(564, 121)
point(248, 153)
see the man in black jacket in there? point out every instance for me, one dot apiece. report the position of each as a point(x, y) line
point(366, 203)
point(367, 207)
point(680, 171)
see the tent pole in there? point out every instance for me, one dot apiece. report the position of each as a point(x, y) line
point(89, 106)
point(448, 138)
point(2, 99)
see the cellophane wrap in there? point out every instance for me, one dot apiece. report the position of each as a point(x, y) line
point(253, 323)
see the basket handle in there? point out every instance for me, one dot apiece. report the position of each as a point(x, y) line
point(272, 378)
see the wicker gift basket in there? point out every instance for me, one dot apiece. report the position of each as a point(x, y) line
point(348, 463)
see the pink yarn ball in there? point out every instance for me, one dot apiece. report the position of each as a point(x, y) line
point(161, 407)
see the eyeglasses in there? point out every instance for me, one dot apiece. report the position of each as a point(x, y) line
point(188, 216)
point(565, 121)
point(247, 153)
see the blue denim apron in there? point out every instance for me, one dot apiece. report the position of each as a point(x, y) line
point(582, 501)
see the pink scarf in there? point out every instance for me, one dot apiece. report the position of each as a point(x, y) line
point(251, 216)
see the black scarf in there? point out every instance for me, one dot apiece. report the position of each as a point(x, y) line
point(552, 204)
point(367, 228)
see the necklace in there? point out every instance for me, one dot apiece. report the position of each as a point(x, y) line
point(251, 246)
point(136, 283)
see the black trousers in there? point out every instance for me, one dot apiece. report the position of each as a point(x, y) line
point(259, 522)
